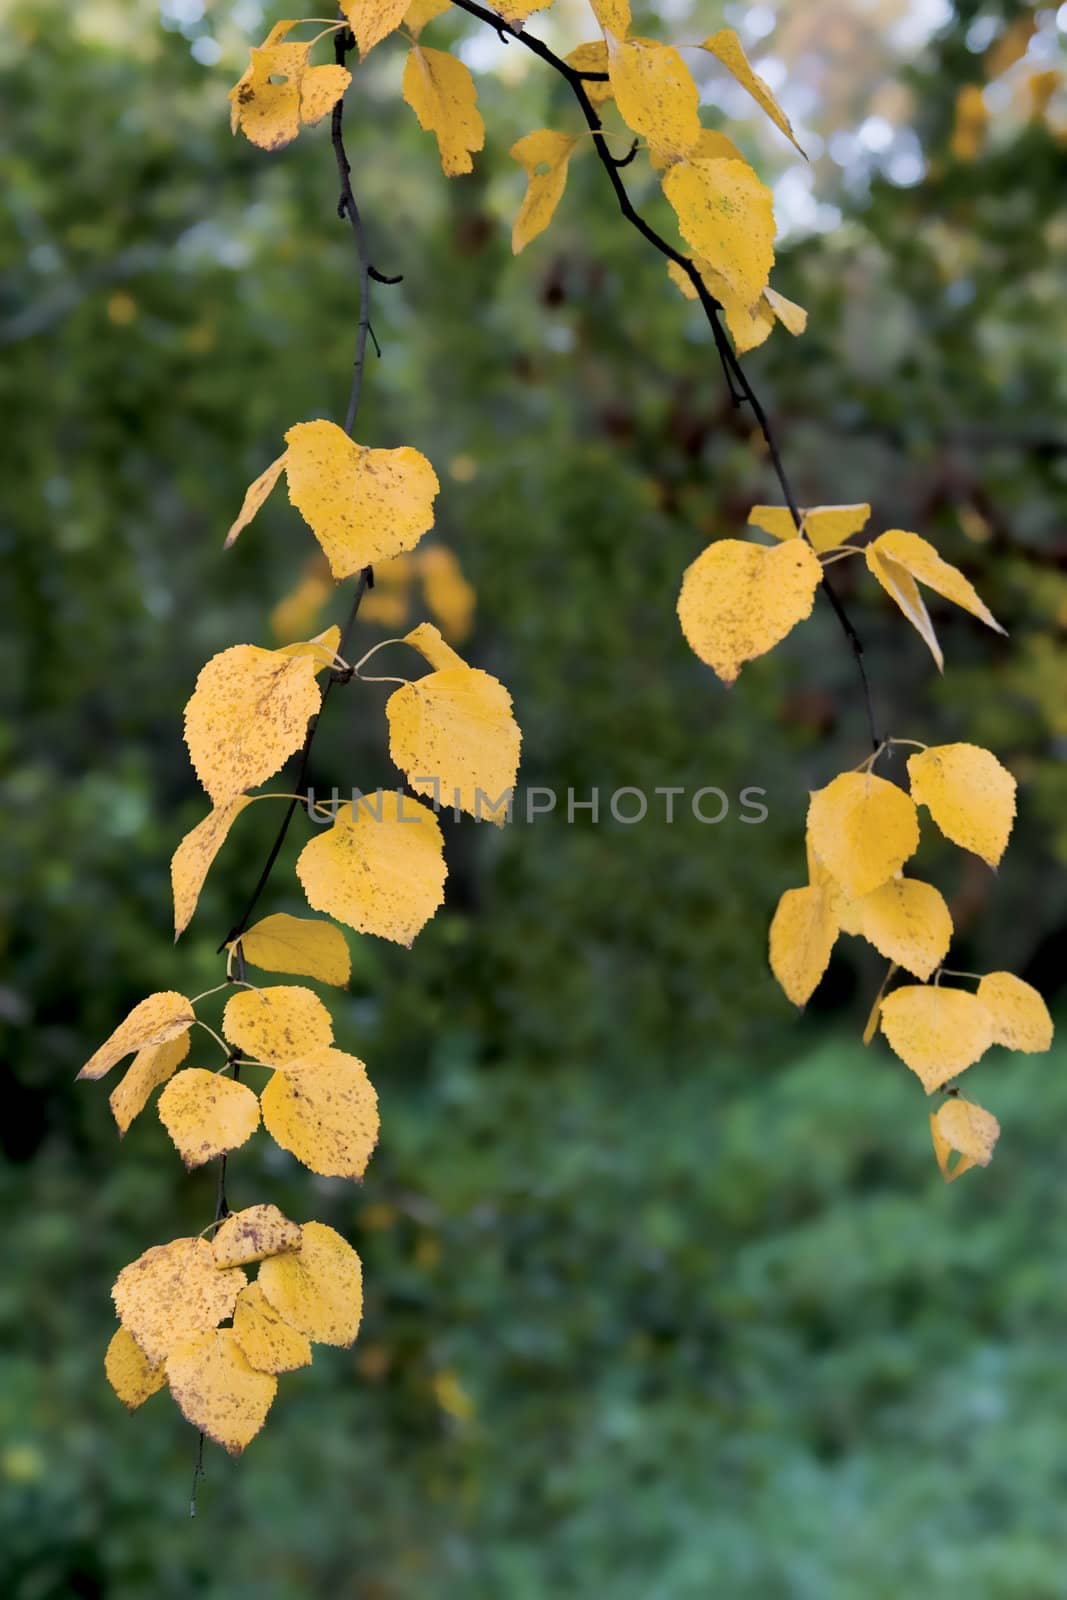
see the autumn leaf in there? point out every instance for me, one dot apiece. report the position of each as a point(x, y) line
point(803, 934)
point(452, 732)
point(161, 1017)
point(936, 1032)
point(380, 869)
point(132, 1376)
point(862, 828)
point(217, 1391)
point(739, 600)
point(900, 560)
point(305, 946)
point(440, 91)
point(277, 1024)
point(825, 527)
point(516, 11)
point(969, 794)
point(265, 1339)
point(317, 1289)
point(727, 215)
point(252, 1235)
point(271, 114)
point(908, 922)
point(192, 860)
point(961, 1125)
point(1019, 1015)
point(362, 505)
point(255, 495)
point(726, 47)
point(172, 1291)
point(655, 93)
point(148, 1069)
point(324, 1111)
point(248, 713)
point(544, 156)
point(206, 1115)
point(372, 21)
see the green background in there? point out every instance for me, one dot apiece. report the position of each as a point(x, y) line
point(665, 1296)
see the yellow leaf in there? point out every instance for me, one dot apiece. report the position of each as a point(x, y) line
point(324, 1111)
point(613, 16)
point(1020, 1016)
point(252, 1235)
point(266, 1341)
point(727, 215)
point(206, 1115)
point(255, 495)
point(969, 794)
point(132, 1376)
point(448, 595)
point(248, 713)
point(794, 320)
point(922, 563)
point(961, 1125)
point(936, 1032)
point(907, 922)
point(544, 156)
point(454, 736)
point(749, 325)
point(317, 1289)
point(452, 1397)
point(217, 1391)
point(421, 12)
point(270, 114)
point(803, 934)
point(278, 1024)
point(862, 828)
point(362, 505)
point(372, 21)
point(899, 584)
point(739, 600)
point(655, 93)
point(380, 869)
point(727, 48)
point(825, 527)
point(302, 945)
point(148, 1069)
point(172, 1291)
point(593, 57)
point(161, 1017)
point(192, 860)
point(440, 91)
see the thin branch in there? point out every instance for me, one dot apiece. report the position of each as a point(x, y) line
point(347, 207)
point(739, 386)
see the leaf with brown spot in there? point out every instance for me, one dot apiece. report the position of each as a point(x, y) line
point(172, 1291)
point(278, 1024)
point(253, 1234)
point(207, 1115)
point(218, 1391)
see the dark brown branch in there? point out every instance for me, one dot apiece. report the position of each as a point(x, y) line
point(737, 382)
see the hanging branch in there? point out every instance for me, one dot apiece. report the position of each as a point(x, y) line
point(741, 389)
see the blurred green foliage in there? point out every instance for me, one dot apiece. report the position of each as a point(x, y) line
point(664, 1299)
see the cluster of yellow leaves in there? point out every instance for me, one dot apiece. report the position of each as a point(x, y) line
point(861, 830)
point(191, 1320)
point(174, 1302)
point(432, 572)
point(739, 600)
point(318, 1104)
